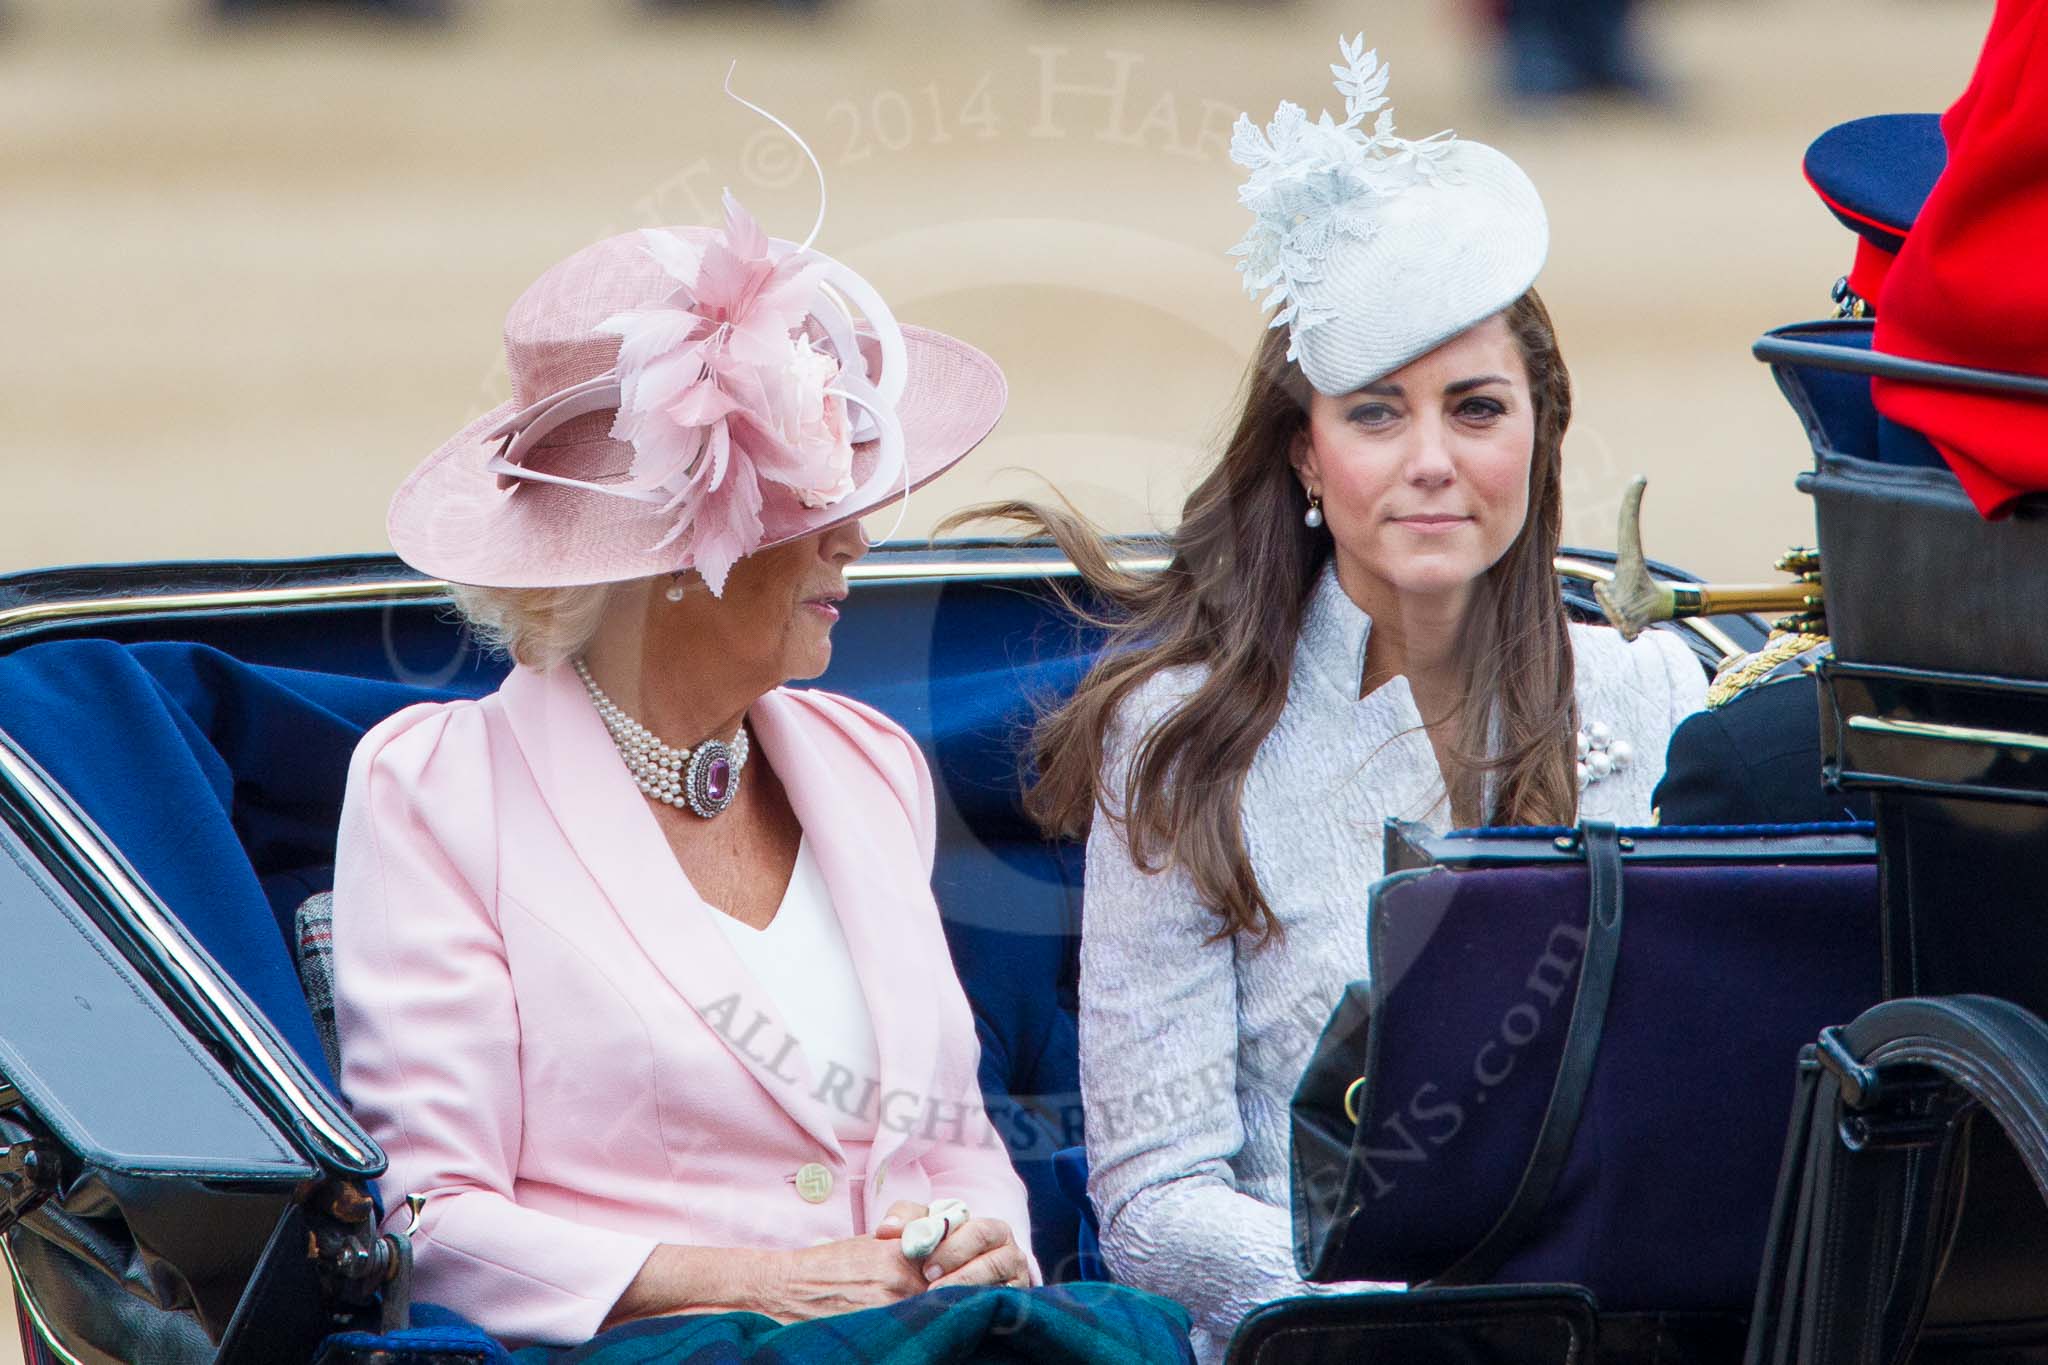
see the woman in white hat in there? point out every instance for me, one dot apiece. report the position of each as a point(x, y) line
point(640, 982)
point(1360, 620)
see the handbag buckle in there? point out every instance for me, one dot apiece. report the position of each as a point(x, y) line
point(1575, 843)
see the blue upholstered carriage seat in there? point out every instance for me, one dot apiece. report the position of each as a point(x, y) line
point(221, 781)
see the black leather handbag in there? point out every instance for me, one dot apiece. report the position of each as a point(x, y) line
point(1571, 1060)
point(1526, 1325)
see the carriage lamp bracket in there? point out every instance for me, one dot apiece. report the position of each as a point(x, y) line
point(27, 1178)
point(359, 1269)
point(28, 1163)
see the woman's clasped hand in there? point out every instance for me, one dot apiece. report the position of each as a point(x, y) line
point(839, 1276)
point(979, 1251)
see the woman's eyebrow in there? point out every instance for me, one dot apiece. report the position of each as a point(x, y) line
point(1479, 382)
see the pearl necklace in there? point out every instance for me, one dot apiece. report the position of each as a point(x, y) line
point(705, 779)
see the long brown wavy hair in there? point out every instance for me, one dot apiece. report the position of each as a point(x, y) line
point(1241, 570)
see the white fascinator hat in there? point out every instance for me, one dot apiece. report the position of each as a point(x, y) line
point(1376, 249)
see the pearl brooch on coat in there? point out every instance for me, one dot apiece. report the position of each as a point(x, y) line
point(1600, 754)
point(705, 778)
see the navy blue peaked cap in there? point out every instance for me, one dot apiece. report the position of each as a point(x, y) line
point(1875, 173)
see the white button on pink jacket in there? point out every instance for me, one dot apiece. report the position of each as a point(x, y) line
point(557, 1047)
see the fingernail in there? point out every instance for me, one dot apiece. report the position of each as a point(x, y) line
point(889, 1224)
point(931, 1272)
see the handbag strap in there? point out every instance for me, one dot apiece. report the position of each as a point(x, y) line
point(1601, 845)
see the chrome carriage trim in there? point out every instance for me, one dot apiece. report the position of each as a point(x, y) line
point(148, 917)
point(428, 589)
point(231, 599)
point(1958, 734)
point(431, 589)
point(39, 1324)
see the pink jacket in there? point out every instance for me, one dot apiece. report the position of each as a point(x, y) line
point(555, 1045)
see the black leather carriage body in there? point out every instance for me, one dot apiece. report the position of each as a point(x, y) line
point(1907, 1209)
point(1937, 703)
point(179, 1173)
point(1571, 1060)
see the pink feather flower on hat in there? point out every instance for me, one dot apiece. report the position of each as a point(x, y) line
point(719, 390)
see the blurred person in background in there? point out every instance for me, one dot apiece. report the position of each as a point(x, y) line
point(395, 11)
point(1558, 48)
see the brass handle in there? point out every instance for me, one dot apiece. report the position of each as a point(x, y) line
point(1961, 734)
point(1722, 599)
point(1351, 1100)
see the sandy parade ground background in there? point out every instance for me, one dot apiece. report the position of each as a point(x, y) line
point(249, 276)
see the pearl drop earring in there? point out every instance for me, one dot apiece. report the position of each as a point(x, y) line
point(675, 588)
point(1314, 517)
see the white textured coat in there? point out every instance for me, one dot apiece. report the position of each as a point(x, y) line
point(1190, 1049)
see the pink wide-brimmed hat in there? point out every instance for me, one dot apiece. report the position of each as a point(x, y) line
point(682, 398)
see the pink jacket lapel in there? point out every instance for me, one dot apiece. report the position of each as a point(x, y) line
point(613, 833)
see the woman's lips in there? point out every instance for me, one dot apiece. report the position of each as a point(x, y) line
point(1432, 523)
point(826, 606)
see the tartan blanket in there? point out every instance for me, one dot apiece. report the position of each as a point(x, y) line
point(1069, 1324)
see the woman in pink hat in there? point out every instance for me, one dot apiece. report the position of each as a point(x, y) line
point(640, 982)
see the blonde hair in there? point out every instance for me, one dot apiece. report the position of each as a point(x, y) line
point(535, 627)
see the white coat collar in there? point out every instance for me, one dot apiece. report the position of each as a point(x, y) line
point(1334, 633)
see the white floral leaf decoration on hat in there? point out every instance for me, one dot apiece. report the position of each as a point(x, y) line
point(1362, 81)
point(1313, 183)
